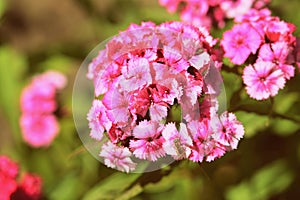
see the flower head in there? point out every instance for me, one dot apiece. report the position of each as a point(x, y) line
point(263, 80)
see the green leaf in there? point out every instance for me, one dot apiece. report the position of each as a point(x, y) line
point(12, 67)
point(132, 192)
point(252, 122)
point(284, 127)
point(58, 62)
point(285, 101)
point(67, 189)
point(268, 181)
point(111, 187)
point(2, 7)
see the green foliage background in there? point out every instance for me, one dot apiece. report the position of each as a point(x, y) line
point(52, 34)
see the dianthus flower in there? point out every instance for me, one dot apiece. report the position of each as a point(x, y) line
point(211, 12)
point(38, 104)
point(28, 188)
point(263, 80)
point(274, 43)
point(155, 71)
point(8, 173)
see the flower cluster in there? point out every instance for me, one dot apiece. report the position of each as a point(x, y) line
point(142, 77)
point(259, 33)
point(38, 122)
point(211, 12)
point(29, 187)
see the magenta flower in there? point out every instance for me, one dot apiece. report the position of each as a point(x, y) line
point(39, 130)
point(148, 144)
point(29, 188)
point(263, 80)
point(239, 42)
point(38, 103)
point(117, 157)
point(8, 173)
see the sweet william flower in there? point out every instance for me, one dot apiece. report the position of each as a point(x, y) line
point(8, 173)
point(117, 157)
point(39, 130)
point(277, 53)
point(98, 120)
point(148, 142)
point(146, 75)
point(239, 42)
point(38, 103)
point(263, 80)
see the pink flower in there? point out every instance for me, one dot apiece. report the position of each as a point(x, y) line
point(8, 174)
point(236, 8)
point(148, 143)
point(177, 142)
point(277, 53)
point(228, 130)
point(263, 80)
point(29, 188)
point(39, 125)
point(37, 98)
point(117, 104)
point(39, 130)
point(53, 78)
point(117, 157)
point(136, 74)
point(98, 120)
point(239, 42)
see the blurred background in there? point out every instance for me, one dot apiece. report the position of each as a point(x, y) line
point(50, 34)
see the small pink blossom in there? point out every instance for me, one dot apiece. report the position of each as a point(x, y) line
point(239, 42)
point(117, 104)
point(136, 74)
point(37, 98)
point(263, 80)
point(117, 157)
point(228, 130)
point(148, 144)
point(277, 53)
point(39, 130)
point(177, 143)
point(98, 120)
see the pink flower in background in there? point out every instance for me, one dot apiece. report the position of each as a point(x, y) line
point(117, 157)
point(39, 130)
point(29, 187)
point(210, 13)
point(239, 42)
point(274, 43)
point(38, 103)
point(148, 144)
point(8, 173)
point(37, 98)
point(263, 80)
